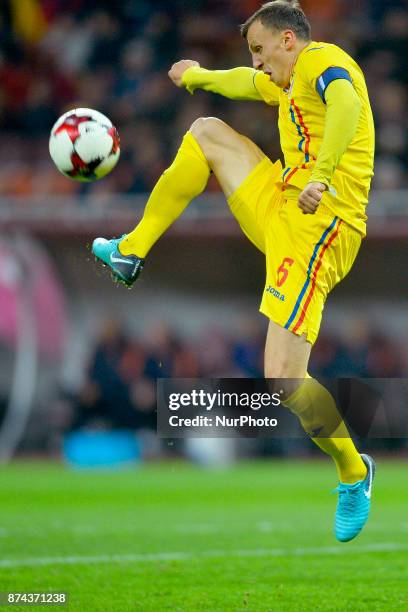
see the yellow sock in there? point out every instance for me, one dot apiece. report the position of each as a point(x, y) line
point(185, 179)
point(349, 464)
point(318, 414)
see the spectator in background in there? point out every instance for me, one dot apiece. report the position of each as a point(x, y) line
point(119, 390)
point(109, 397)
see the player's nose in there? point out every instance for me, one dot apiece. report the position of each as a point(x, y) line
point(257, 63)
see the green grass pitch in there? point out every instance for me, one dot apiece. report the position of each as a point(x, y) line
point(254, 537)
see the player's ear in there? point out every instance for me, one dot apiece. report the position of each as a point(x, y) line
point(288, 39)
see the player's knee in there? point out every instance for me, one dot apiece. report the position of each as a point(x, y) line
point(283, 367)
point(274, 370)
point(206, 130)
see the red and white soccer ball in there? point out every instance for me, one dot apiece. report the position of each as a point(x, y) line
point(84, 145)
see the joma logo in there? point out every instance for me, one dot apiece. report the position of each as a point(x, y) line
point(280, 296)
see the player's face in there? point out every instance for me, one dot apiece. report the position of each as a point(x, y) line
point(272, 52)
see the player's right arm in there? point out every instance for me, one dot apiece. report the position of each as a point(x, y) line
point(242, 83)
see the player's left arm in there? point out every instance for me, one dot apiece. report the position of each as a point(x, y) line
point(342, 116)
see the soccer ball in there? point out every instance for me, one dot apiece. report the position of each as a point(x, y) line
point(84, 145)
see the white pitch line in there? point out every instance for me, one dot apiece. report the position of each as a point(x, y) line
point(183, 556)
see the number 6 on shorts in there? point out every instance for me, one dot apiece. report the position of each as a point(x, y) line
point(283, 271)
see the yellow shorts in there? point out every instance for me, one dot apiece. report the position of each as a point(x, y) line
point(306, 255)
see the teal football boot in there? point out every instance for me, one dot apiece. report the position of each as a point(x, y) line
point(125, 268)
point(354, 503)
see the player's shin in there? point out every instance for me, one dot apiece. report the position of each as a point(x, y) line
point(317, 411)
point(185, 179)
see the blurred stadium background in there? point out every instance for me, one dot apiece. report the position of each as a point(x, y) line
point(79, 355)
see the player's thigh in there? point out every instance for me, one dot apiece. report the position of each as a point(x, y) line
point(286, 354)
point(231, 156)
point(306, 256)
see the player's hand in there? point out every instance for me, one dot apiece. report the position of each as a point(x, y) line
point(310, 197)
point(178, 69)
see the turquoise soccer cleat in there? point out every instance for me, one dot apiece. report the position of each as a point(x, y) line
point(354, 502)
point(125, 268)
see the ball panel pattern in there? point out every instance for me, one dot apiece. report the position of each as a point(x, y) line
point(84, 144)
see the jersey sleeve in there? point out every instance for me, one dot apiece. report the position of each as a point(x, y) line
point(268, 91)
point(237, 83)
point(342, 116)
point(321, 65)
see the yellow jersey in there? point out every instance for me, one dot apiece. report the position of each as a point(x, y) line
point(302, 111)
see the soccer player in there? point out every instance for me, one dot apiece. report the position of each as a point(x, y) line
point(308, 218)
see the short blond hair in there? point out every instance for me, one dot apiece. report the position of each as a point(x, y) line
point(280, 15)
